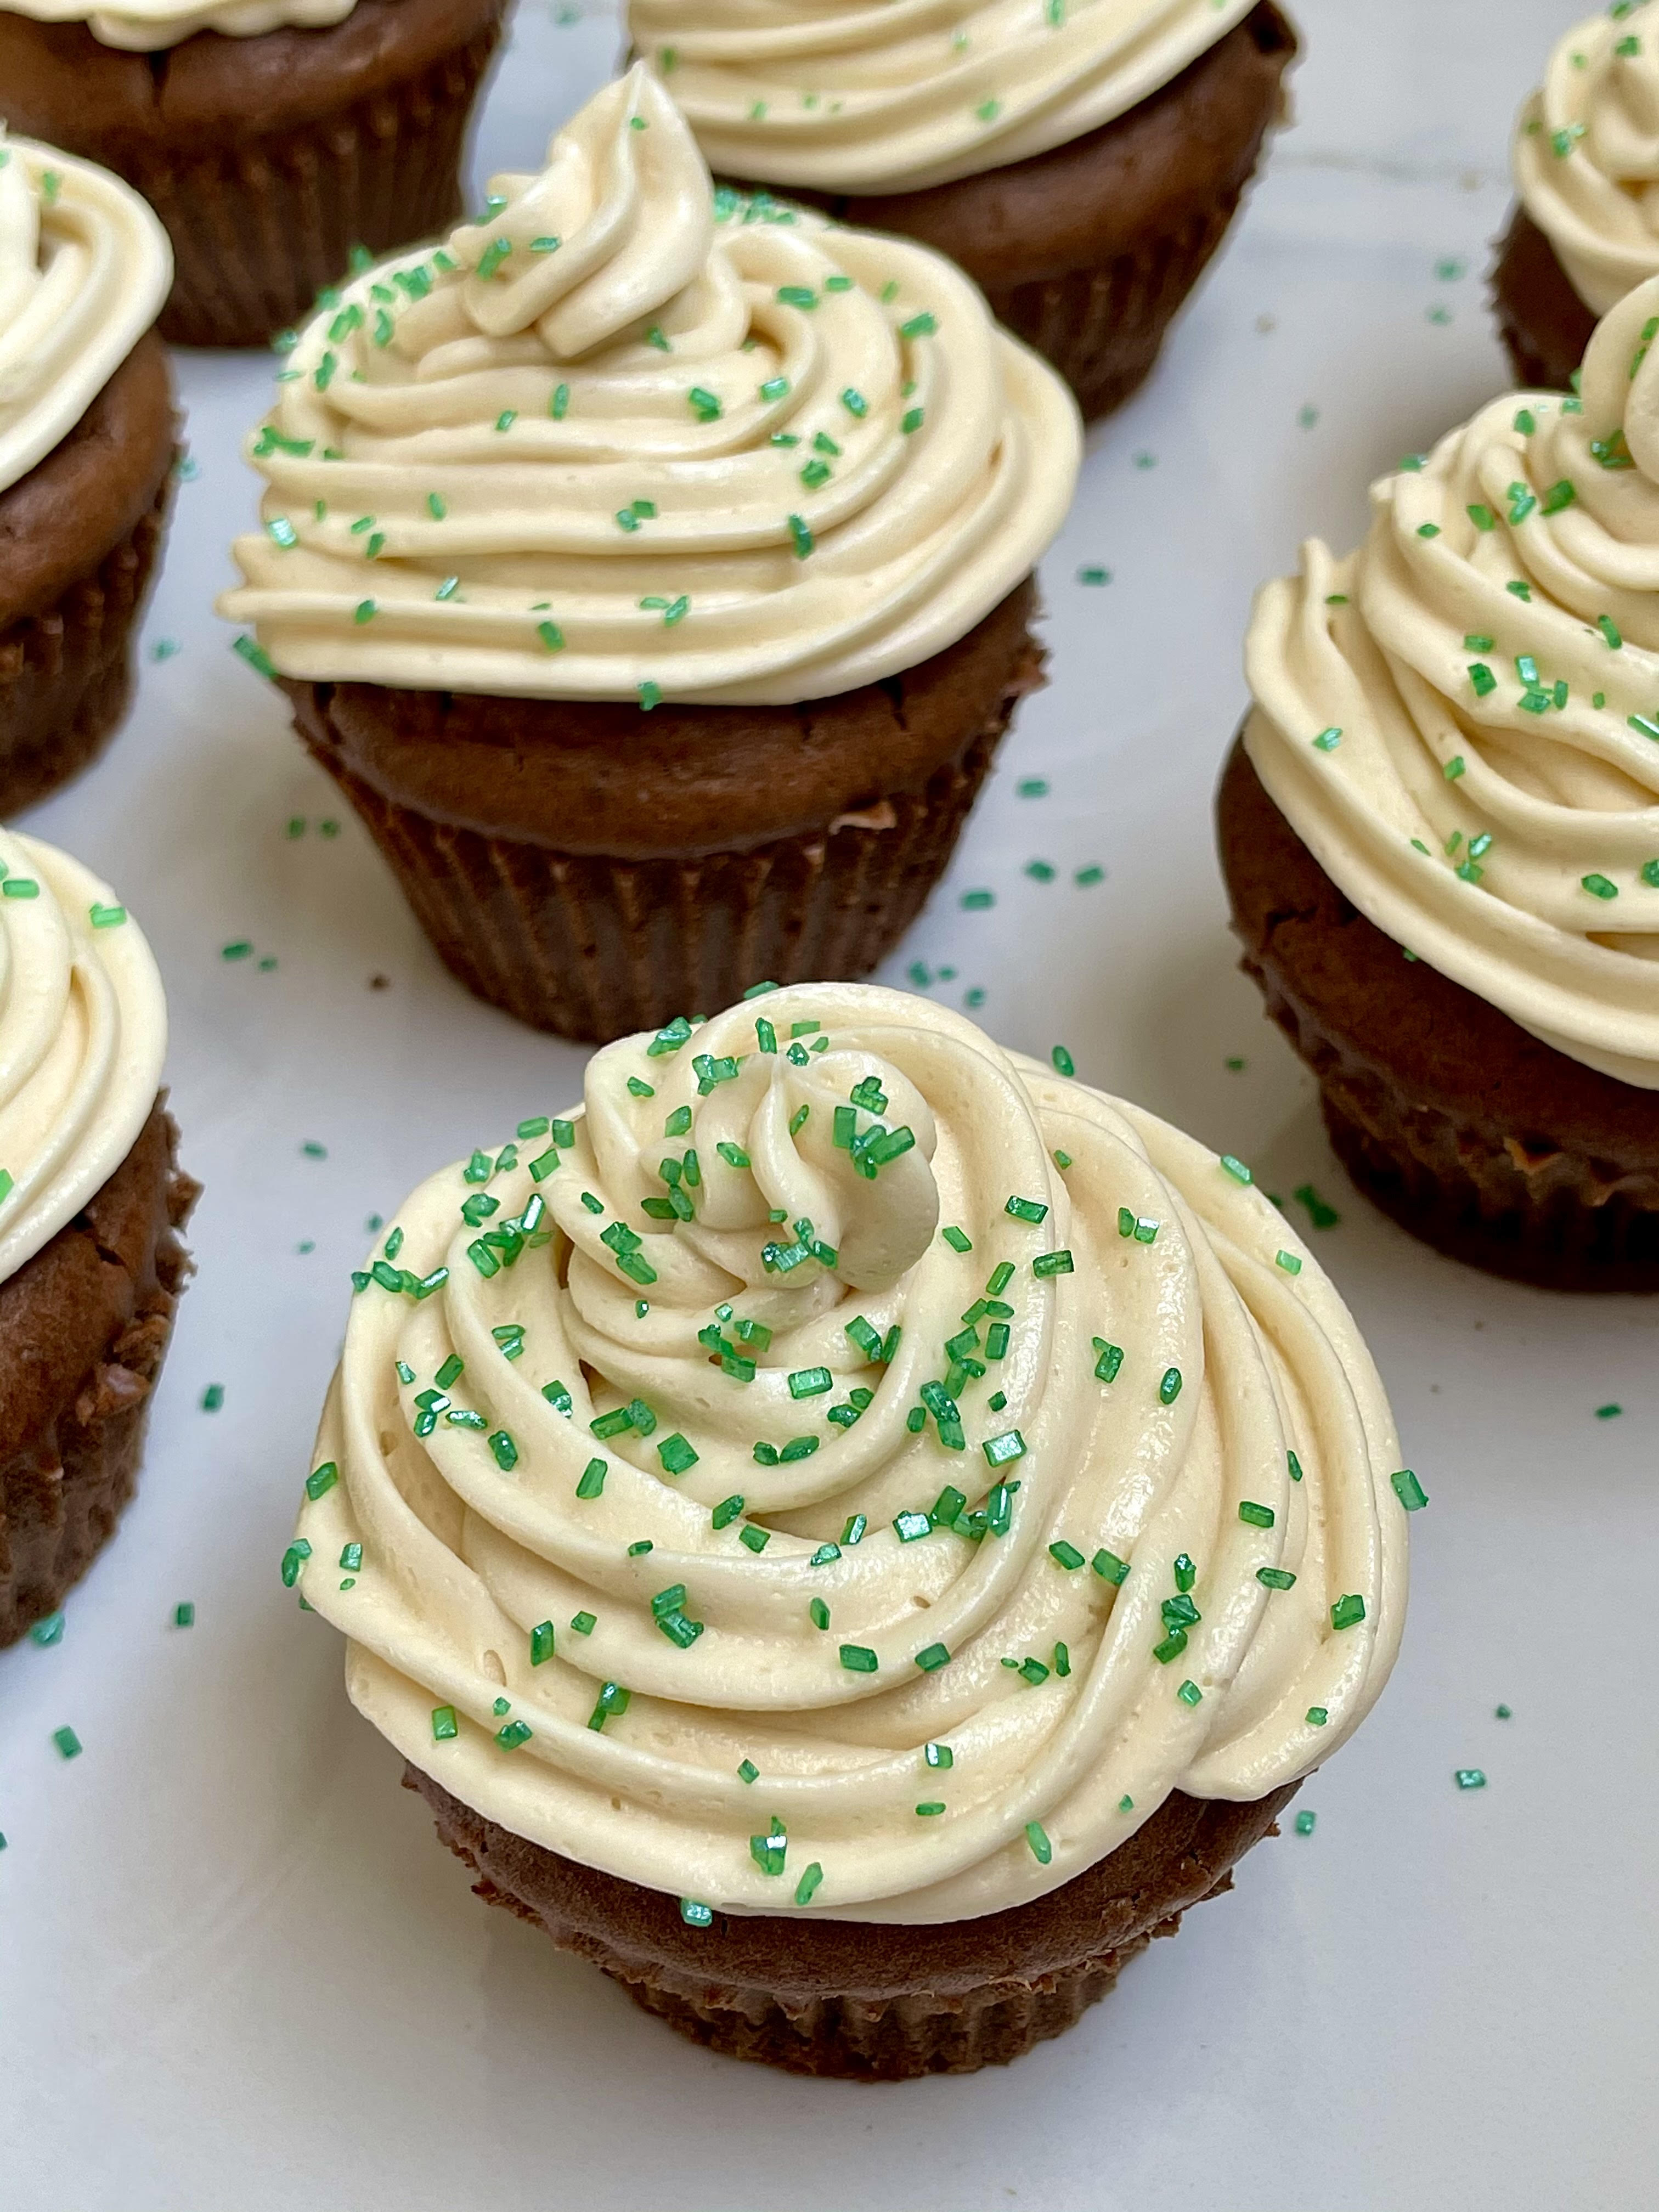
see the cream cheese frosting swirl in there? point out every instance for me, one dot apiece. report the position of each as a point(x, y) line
point(84, 267)
point(847, 97)
point(605, 446)
point(1461, 720)
point(148, 27)
point(1586, 155)
point(844, 1462)
point(83, 1032)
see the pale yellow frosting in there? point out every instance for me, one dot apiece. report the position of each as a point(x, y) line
point(606, 445)
point(1586, 154)
point(860, 98)
point(83, 1032)
point(84, 267)
point(147, 26)
point(1461, 720)
point(1181, 1398)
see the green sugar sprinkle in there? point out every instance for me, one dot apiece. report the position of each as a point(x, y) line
point(1409, 1490)
point(1316, 1716)
point(1469, 1777)
point(541, 1642)
point(1041, 1849)
point(956, 1239)
point(1259, 1517)
point(1066, 1555)
point(806, 1887)
point(932, 1659)
point(696, 1914)
point(1305, 1823)
point(1169, 1389)
point(1275, 1578)
point(1190, 1695)
point(444, 1726)
point(1347, 1612)
point(1110, 1569)
point(859, 1659)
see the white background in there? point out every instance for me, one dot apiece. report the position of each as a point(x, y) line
point(236, 1969)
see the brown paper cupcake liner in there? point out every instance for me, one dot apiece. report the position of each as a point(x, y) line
point(1544, 324)
point(595, 948)
point(84, 1327)
point(1475, 1136)
point(1104, 328)
point(861, 2001)
point(260, 227)
point(66, 674)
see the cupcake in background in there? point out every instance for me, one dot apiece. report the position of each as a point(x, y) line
point(87, 445)
point(91, 1203)
point(1080, 159)
point(1441, 829)
point(653, 571)
point(1586, 229)
point(271, 136)
point(852, 1531)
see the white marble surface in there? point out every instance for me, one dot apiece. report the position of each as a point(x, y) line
point(235, 1968)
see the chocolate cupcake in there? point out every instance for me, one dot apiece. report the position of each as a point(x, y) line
point(1081, 160)
point(654, 575)
point(1444, 845)
point(1584, 232)
point(778, 1590)
point(272, 136)
point(91, 1200)
point(85, 457)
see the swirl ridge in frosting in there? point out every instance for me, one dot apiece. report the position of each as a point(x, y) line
point(84, 268)
point(83, 1034)
point(1461, 720)
point(842, 95)
point(148, 27)
point(604, 445)
point(782, 1462)
point(1586, 154)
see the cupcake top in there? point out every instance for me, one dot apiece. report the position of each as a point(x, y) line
point(83, 1031)
point(147, 26)
point(1461, 720)
point(843, 1462)
point(849, 97)
point(1586, 154)
point(84, 267)
point(625, 438)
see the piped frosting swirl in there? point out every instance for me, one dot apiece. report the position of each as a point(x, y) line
point(83, 1032)
point(842, 1461)
point(843, 96)
point(84, 267)
point(608, 445)
point(148, 27)
point(1586, 155)
point(1461, 720)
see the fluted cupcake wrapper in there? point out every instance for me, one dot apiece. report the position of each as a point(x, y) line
point(1102, 327)
point(824, 1997)
point(594, 947)
point(260, 226)
point(66, 675)
point(64, 1483)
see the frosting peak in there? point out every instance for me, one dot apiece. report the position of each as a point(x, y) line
point(844, 96)
point(624, 438)
point(83, 1034)
point(1586, 155)
point(84, 267)
point(1461, 720)
point(691, 1481)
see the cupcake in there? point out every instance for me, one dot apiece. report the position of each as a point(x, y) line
point(1080, 159)
point(1441, 830)
point(853, 1532)
point(85, 457)
point(1585, 231)
point(91, 1200)
point(271, 136)
point(653, 573)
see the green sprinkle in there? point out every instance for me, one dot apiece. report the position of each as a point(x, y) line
point(999, 1451)
point(1599, 887)
point(919, 326)
point(1305, 1823)
point(859, 1659)
point(1276, 1578)
point(1328, 740)
point(1110, 1569)
point(1110, 1361)
point(695, 1914)
point(1347, 1612)
point(1169, 1389)
point(322, 1481)
point(1259, 1517)
point(1026, 1209)
point(933, 1658)
point(754, 1538)
point(820, 1613)
point(1041, 1849)
point(444, 1726)
point(1190, 1695)
point(1409, 1490)
point(1052, 1263)
point(1316, 1715)
point(584, 1623)
point(956, 1239)
point(1469, 1777)
point(1066, 1555)
point(800, 536)
point(806, 1887)
point(592, 1479)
